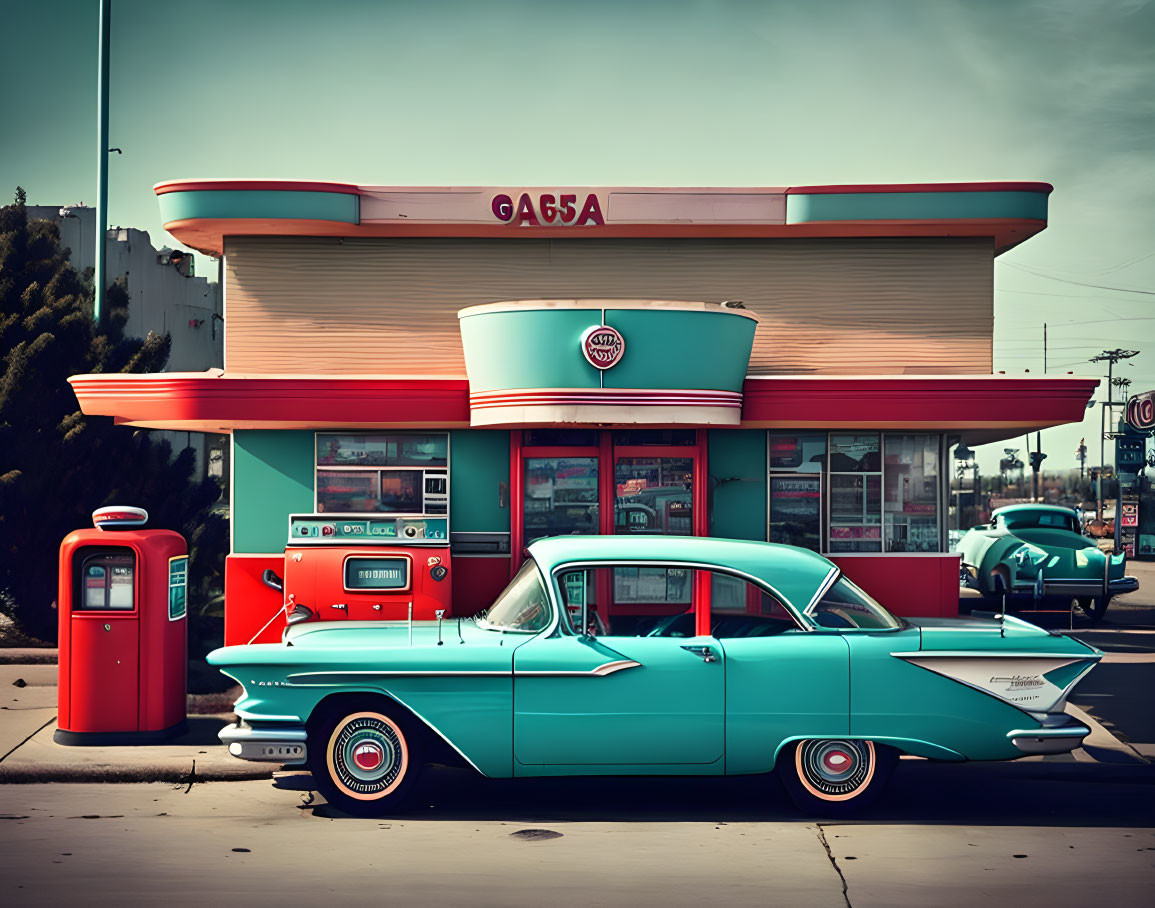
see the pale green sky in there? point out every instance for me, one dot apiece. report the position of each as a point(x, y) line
point(635, 93)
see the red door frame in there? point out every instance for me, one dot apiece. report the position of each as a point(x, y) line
point(607, 455)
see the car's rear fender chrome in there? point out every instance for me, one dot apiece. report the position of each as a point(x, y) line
point(1062, 734)
point(1031, 681)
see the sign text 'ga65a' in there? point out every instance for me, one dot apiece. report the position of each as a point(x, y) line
point(552, 210)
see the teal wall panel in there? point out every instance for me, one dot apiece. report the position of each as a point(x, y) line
point(872, 206)
point(272, 478)
point(478, 464)
point(737, 464)
point(254, 203)
point(664, 348)
point(532, 348)
point(672, 349)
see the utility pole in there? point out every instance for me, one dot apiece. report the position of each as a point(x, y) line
point(102, 160)
point(1038, 457)
point(1110, 357)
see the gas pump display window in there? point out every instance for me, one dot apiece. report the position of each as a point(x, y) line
point(377, 574)
point(107, 582)
point(390, 473)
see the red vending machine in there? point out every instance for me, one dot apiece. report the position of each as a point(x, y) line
point(123, 631)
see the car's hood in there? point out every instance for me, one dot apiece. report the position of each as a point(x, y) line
point(1007, 658)
point(347, 642)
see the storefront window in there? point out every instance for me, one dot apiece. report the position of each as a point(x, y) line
point(561, 496)
point(796, 511)
point(797, 452)
point(797, 461)
point(855, 494)
point(393, 473)
point(912, 491)
point(654, 495)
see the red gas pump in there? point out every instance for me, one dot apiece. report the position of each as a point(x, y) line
point(349, 567)
point(123, 631)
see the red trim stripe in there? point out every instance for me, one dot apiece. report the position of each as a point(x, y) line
point(602, 397)
point(922, 187)
point(266, 185)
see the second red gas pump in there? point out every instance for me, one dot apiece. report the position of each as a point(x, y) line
point(123, 631)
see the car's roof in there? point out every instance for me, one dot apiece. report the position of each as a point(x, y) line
point(795, 573)
point(1053, 508)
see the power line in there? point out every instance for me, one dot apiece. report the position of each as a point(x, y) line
point(1064, 280)
point(1135, 261)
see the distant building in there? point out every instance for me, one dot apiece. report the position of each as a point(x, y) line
point(164, 297)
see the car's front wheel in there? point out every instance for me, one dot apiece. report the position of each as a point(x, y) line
point(835, 777)
point(365, 758)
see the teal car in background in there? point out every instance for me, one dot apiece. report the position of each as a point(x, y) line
point(655, 655)
point(1035, 554)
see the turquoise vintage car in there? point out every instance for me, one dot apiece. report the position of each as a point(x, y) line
point(631, 655)
point(1034, 554)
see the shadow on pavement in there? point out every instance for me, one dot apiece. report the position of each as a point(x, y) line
point(980, 794)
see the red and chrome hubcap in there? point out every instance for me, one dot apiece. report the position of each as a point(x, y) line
point(835, 770)
point(367, 755)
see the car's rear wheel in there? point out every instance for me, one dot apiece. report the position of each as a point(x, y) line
point(365, 758)
point(1095, 608)
point(835, 777)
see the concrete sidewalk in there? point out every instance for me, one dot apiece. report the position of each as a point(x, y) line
point(28, 753)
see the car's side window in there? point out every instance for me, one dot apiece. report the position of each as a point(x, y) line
point(663, 601)
point(633, 601)
point(738, 608)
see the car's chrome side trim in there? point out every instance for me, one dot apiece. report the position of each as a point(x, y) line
point(375, 673)
point(250, 716)
point(995, 654)
point(601, 671)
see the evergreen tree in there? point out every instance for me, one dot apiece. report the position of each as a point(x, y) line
point(56, 464)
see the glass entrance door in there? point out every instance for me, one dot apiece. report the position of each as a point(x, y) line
point(613, 482)
point(560, 495)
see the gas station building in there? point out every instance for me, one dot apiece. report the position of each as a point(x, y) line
point(455, 372)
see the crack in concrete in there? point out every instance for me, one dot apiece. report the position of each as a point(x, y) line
point(192, 777)
point(26, 740)
point(833, 863)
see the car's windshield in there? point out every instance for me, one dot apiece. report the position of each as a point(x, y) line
point(846, 606)
point(1023, 520)
point(523, 606)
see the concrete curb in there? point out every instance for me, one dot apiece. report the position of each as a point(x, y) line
point(33, 773)
point(28, 656)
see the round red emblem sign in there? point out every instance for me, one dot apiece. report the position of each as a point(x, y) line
point(603, 346)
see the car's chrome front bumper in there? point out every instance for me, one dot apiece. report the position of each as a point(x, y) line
point(266, 744)
point(1056, 739)
point(1078, 588)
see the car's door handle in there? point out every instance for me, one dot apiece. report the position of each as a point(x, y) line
point(705, 652)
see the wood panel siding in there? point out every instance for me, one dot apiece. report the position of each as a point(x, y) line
point(389, 306)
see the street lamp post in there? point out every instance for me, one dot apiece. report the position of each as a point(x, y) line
point(102, 160)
